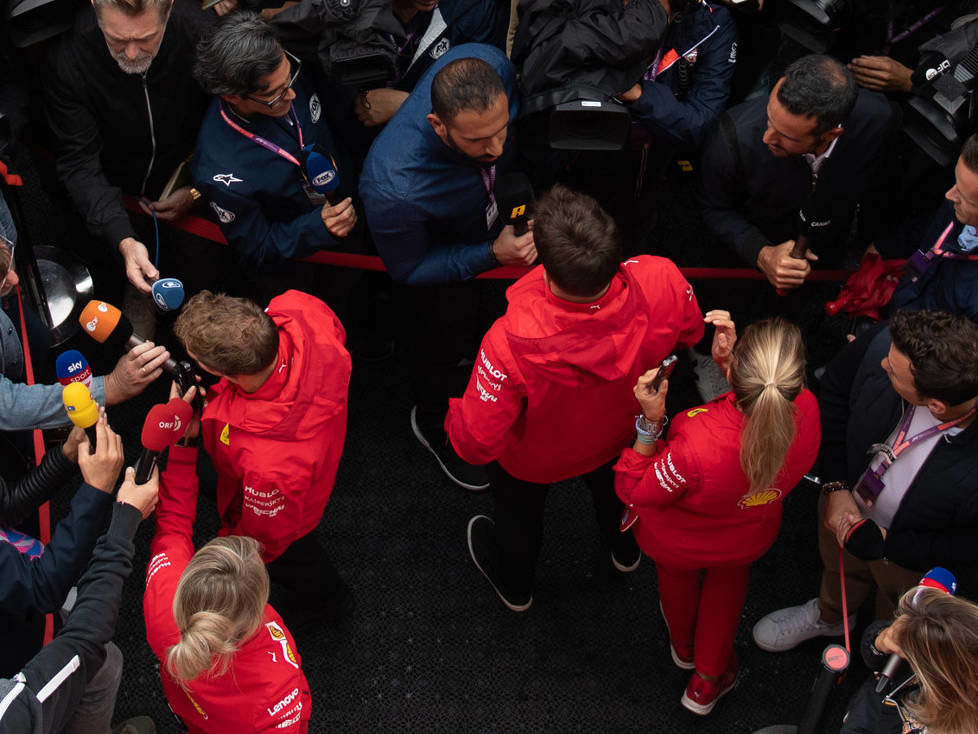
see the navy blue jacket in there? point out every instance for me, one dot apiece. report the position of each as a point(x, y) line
point(704, 43)
point(425, 203)
point(947, 285)
point(936, 524)
point(256, 194)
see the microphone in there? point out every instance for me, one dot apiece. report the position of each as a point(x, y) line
point(163, 427)
point(514, 197)
point(107, 325)
point(321, 172)
point(937, 578)
point(71, 366)
point(168, 294)
point(81, 409)
point(931, 66)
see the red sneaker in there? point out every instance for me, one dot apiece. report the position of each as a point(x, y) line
point(701, 695)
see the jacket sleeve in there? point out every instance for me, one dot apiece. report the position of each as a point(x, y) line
point(687, 310)
point(41, 585)
point(478, 424)
point(403, 241)
point(657, 480)
point(24, 496)
point(23, 407)
point(921, 549)
point(687, 120)
point(720, 194)
point(78, 146)
point(46, 692)
point(609, 38)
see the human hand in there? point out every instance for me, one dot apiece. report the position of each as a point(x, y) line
point(783, 271)
point(269, 13)
point(193, 428)
point(139, 269)
point(841, 513)
point(512, 249)
point(101, 469)
point(134, 371)
point(224, 7)
point(71, 444)
point(376, 106)
point(141, 496)
point(653, 401)
point(724, 338)
point(632, 94)
point(339, 219)
point(881, 74)
point(887, 641)
point(172, 207)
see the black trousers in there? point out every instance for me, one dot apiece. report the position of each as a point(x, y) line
point(519, 513)
point(306, 570)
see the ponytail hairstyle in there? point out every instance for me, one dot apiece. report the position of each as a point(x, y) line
point(767, 374)
point(938, 635)
point(219, 603)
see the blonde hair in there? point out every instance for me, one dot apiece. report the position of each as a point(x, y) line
point(219, 603)
point(767, 374)
point(938, 634)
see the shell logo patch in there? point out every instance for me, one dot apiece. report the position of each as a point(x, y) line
point(695, 412)
point(226, 434)
point(761, 498)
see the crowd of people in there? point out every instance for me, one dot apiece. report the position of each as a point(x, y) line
point(278, 127)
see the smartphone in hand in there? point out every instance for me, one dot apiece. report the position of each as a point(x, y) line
point(665, 369)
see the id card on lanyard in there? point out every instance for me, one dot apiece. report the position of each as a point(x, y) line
point(489, 181)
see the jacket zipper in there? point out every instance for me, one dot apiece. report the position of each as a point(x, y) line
point(152, 137)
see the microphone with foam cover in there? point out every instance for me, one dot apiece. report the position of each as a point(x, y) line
point(163, 427)
point(107, 325)
point(168, 294)
point(514, 197)
point(71, 366)
point(321, 172)
point(81, 409)
point(937, 578)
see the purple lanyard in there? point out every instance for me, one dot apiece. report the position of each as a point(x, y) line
point(891, 39)
point(264, 142)
point(489, 181)
point(901, 443)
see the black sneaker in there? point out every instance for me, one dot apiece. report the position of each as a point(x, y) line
point(626, 555)
point(465, 475)
point(481, 548)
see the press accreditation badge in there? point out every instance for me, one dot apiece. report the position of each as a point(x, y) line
point(492, 214)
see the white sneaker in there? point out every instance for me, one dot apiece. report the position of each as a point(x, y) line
point(787, 628)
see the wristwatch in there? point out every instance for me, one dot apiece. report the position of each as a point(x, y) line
point(194, 194)
point(647, 431)
point(830, 487)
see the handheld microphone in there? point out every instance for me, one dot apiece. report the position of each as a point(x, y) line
point(931, 66)
point(168, 294)
point(81, 409)
point(321, 172)
point(71, 366)
point(514, 197)
point(163, 427)
point(800, 247)
point(937, 578)
point(107, 325)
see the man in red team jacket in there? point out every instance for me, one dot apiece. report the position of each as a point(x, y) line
point(274, 424)
point(550, 395)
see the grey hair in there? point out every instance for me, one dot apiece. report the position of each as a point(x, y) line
point(242, 49)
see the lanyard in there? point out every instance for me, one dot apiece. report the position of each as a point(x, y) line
point(920, 23)
point(264, 142)
point(938, 249)
point(489, 181)
point(901, 443)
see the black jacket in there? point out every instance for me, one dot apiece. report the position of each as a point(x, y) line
point(750, 198)
point(22, 497)
point(937, 522)
point(115, 131)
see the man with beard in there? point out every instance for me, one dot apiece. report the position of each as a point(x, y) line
point(124, 110)
point(427, 189)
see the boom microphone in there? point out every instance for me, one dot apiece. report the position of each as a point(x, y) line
point(514, 197)
point(107, 325)
point(164, 426)
point(321, 172)
point(81, 409)
point(71, 366)
point(937, 578)
point(168, 294)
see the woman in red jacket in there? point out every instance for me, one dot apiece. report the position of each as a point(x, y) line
point(227, 661)
point(707, 502)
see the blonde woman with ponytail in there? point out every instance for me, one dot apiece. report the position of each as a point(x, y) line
point(227, 662)
point(706, 503)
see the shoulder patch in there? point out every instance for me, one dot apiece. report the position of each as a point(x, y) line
point(696, 411)
point(277, 634)
point(226, 434)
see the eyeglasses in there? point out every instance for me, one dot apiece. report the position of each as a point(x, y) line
point(909, 725)
point(296, 65)
point(7, 262)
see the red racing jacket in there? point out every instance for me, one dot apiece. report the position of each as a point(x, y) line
point(550, 395)
point(691, 495)
point(276, 450)
point(264, 689)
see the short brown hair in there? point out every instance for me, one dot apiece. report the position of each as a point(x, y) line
point(233, 336)
point(133, 8)
point(943, 353)
point(577, 241)
point(969, 153)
